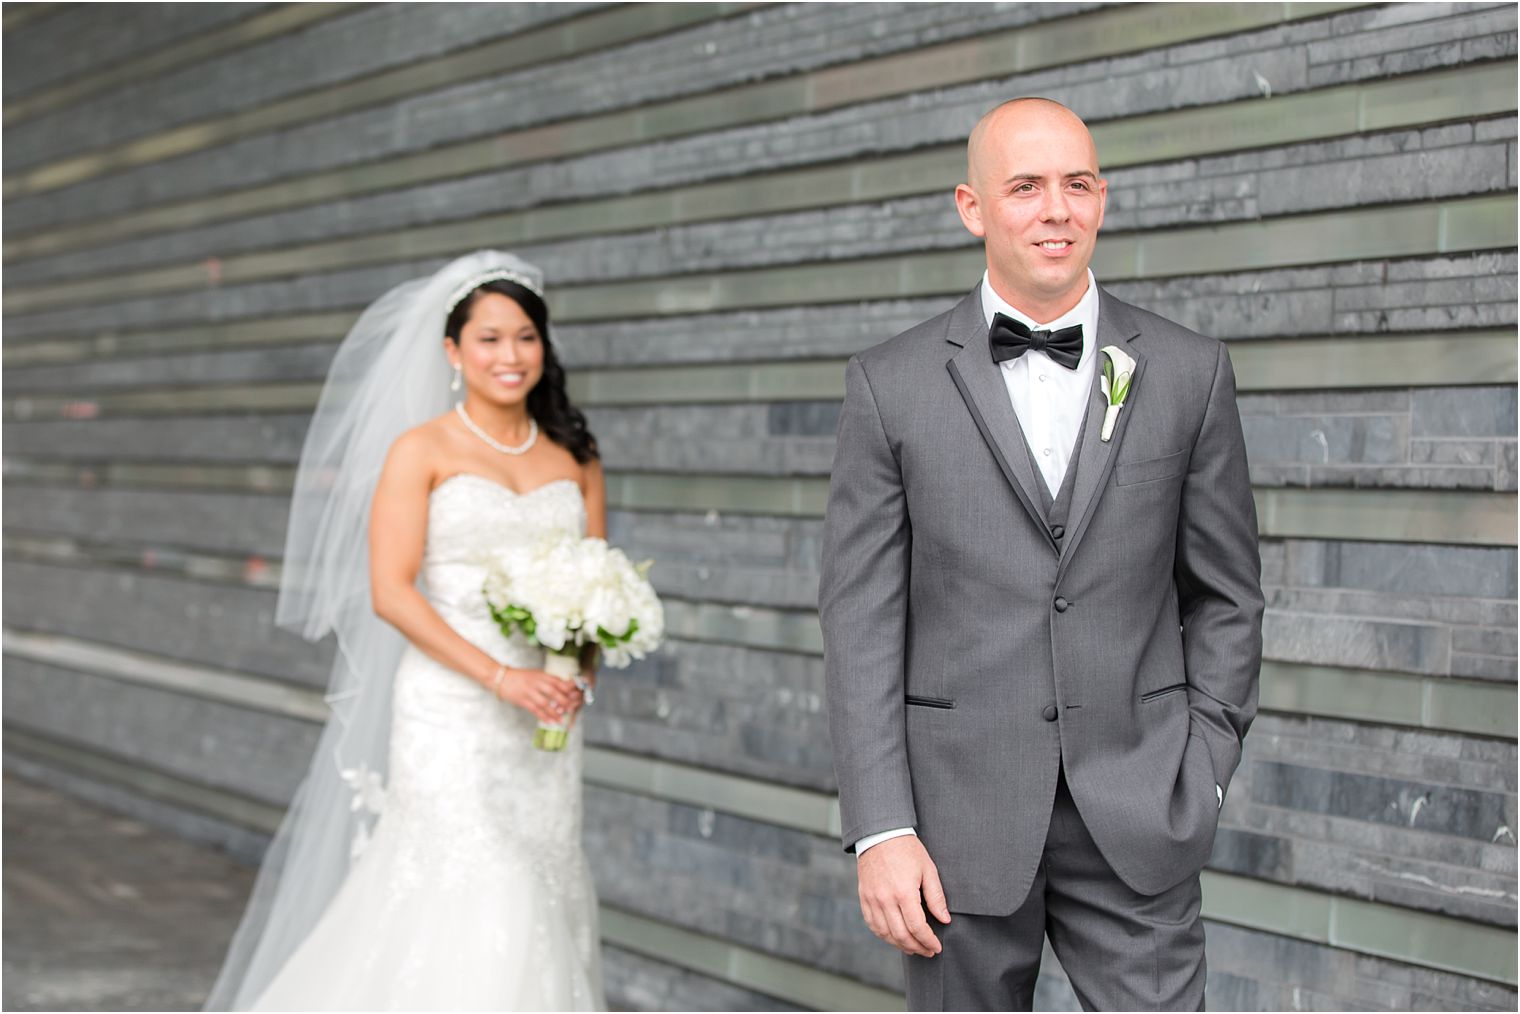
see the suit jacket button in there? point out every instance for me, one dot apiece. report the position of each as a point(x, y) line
point(1049, 714)
point(1061, 605)
point(1057, 531)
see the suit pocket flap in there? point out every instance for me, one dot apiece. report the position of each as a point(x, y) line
point(929, 702)
point(1128, 473)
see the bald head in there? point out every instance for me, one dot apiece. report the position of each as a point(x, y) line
point(1015, 118)
point(1034, 197)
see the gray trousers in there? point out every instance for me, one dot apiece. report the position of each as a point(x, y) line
point(1121, 950)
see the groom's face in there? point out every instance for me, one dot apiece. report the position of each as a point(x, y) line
point(1036, 198)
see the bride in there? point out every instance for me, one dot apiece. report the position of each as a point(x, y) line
point(432, 859)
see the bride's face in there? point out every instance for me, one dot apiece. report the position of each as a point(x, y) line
point(501, 352)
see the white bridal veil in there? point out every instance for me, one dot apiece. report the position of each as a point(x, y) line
point(389, 375)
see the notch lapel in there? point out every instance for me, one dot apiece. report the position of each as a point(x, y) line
point(980, 382)
point(1096, 461)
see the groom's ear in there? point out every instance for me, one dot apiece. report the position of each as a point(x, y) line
point(970, 210)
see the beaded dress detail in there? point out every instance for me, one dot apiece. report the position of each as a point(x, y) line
point(472, 892)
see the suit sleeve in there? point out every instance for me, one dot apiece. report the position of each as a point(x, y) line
point(1218, 576)
point(862, 606)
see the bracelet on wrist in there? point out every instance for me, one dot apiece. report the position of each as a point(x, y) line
point(496, 681)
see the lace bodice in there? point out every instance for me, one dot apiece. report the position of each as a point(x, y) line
point(468, 515)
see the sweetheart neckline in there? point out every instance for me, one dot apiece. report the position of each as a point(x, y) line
point(503, 486)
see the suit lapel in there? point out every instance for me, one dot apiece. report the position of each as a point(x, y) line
point(980, 382)
point(1096, 460)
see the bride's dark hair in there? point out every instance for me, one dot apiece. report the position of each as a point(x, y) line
point(548, 402)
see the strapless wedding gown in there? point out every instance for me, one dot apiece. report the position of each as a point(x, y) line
point(473, 892)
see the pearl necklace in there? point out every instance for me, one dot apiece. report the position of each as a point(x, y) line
point(521, 448)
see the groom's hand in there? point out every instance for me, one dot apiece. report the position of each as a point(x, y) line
point(898, 881)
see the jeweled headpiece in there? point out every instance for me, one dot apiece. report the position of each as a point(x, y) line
point(474, 282)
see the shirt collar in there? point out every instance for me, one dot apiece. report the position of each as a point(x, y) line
point(1084, 313)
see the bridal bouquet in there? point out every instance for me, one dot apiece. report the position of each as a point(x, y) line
point(564, 592)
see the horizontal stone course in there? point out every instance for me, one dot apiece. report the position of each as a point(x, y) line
point(675, 64)
point(929, 222)
point(68, 43)
point(221, 626)
point(257, 756)
point(1412, 818)
point(1251, 970)
point(1096, 88)
point(351, 45)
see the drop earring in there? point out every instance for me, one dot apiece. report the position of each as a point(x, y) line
point(458, 381)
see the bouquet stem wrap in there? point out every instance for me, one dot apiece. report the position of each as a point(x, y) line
point(554, 735)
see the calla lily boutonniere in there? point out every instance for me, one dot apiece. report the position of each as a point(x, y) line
point(1118, 371)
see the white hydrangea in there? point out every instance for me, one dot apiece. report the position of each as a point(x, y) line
point(575, 590)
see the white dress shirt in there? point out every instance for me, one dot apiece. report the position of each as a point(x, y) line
point(1050, 401)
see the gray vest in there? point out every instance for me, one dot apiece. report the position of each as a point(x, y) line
point(1056, 509)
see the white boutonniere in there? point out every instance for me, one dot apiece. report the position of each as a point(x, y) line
point(1118, 372)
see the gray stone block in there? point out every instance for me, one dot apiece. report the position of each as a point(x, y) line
point(1347, 439)
point(287, 364)
point(745, 710)
point(214, 522)
point(1407, 569)
point(216, 625)
point(74, 42)
point(1362, 644)
point(252, 754)
point(272, 439)
point(1464, 412)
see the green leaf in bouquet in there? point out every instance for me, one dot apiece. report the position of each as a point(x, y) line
point(607, 639)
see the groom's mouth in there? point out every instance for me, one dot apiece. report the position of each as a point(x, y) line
point(1055, 247)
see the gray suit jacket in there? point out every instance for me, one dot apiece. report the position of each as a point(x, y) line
point(970, 654)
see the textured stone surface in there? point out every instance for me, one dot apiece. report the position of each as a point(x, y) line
point(351, 45)
point(752, 712)
point(198, 740)
point(215, 625)
point(1418, 820)
point(69, 42)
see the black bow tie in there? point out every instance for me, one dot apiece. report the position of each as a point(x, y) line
point(1010, 339)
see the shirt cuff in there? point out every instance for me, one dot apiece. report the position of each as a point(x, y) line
point(879, 837)
point(1217, 789)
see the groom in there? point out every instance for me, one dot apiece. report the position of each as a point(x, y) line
point(1041, 615)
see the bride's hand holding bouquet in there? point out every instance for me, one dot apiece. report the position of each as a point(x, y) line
point(567, 594)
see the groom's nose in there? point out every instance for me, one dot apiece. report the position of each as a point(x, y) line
point(1054, 207)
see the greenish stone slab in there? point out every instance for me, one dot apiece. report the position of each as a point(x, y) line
point(1452, 945)
point(1485, 709)
point(1342, 693)
point(712, 956)
point(1388, 515)
point(753, 626)
point(1258, 904)
point(813, 812)
point(737, 494)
